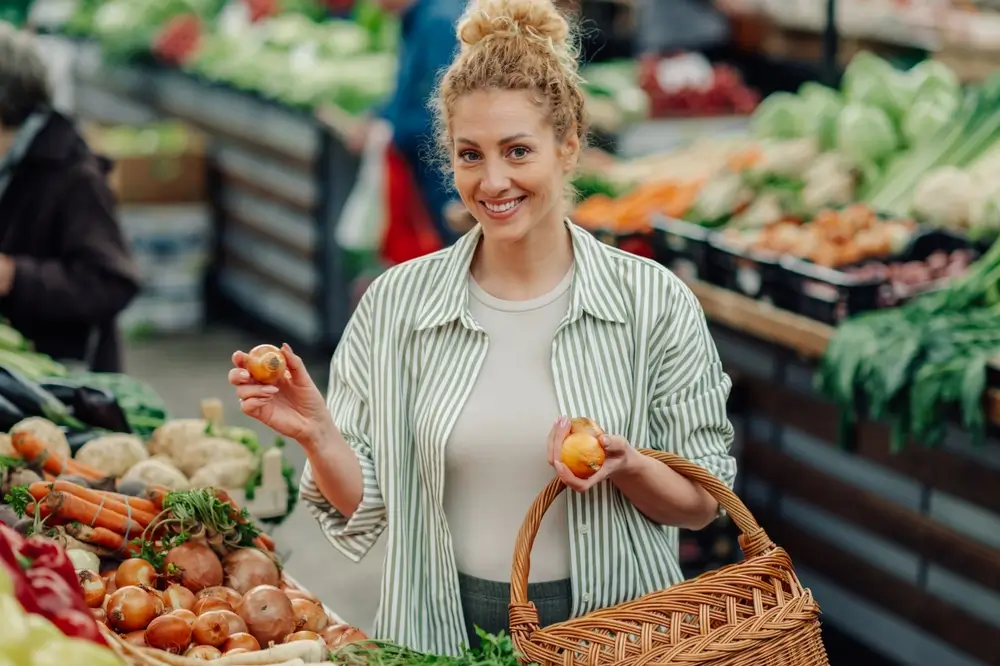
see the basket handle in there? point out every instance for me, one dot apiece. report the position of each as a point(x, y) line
point(753, 540)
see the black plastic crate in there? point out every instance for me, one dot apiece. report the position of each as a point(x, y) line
point(682, 247)
point(830, 295)
point(753, 273)
point(638, 243)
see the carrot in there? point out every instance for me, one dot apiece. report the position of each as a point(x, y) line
point(156, 494)
point(72, 508)
point(137, 503)
point(96, 536)
point(43, 511)
point(264, 542)
point(48, 477)
point(107, 500)
point(32, 448)
point(39, 490)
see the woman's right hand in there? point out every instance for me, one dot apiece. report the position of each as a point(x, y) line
point(294, 407)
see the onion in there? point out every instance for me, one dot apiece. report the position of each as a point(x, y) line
point(247, 568)
point(212, 628)
point(268, 614)
point(185, 615)
point(83, 559)
point(177, 597)
point(209, 604)
point(302, 636)
point(236, 651)
point(227, 594)
point(109, 582)
point(132, 608)
point(135, 571)
point(309, 616)
point(236, 623)
point(196, 564)
point(136, 638)
point(299, 594)
point(341, 634)
point(94, 589)
point(266, 364)
point(203, 653)
point(100, 616)
point(169, 633)
point(241, 641)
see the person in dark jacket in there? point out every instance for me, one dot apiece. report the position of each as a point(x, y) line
point(65, 268)
point(427, 46)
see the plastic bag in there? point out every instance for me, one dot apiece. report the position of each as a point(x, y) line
point(362, 221)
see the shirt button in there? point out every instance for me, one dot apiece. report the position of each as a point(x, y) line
point(586, 597)
point(585, 529)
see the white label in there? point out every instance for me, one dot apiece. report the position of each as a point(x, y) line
point(676, 243)
point(684, 269)
point(748, 279)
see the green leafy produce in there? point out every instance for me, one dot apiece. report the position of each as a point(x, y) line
point(917, 364)
point(496, 650)
point(778, 116)
point(865, 133)
point(927, 116)
point(820, 108)
point(875, 82)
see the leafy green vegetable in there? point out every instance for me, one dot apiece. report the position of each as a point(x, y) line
point(865, 133)
point(820, 108)
point(779, 116)
point(496, 650)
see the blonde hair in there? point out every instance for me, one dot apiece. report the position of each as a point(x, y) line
point(516, 45)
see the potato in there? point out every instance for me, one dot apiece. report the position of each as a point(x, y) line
point(114, 454)
point(158, 472)
point(173, 434)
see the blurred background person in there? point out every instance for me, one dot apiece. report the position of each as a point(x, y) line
point(427, 46)
point(65, 267)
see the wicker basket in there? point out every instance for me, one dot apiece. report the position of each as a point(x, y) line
point(145, 656)
point(747, 614)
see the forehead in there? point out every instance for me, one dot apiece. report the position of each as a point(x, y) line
point(487, 116)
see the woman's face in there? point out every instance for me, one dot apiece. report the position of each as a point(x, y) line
point(510, 169)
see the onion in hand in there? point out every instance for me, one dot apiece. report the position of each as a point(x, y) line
point(266, 364)
point(581, 451)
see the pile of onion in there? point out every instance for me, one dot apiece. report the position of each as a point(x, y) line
point(247, 568)
point(196, 565)
point(268, 614)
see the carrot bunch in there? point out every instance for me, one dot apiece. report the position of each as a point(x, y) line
point(33, 450)
point(633, 212)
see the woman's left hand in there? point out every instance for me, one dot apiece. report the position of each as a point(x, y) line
point(617, 451)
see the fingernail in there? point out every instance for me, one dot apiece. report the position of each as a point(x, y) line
point(563, 421)
point(269, 390)
point(244, 374)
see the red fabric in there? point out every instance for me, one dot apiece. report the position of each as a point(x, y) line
point(409, 232)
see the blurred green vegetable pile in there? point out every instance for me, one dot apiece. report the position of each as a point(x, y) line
point(298, 56)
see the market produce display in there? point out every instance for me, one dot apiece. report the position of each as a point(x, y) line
point(166, 572)
point(284, 50)
point(46, 621)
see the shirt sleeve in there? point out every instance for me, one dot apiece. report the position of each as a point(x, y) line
point(347, 401)
point(688, 407)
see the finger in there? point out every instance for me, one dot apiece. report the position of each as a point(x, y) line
point(296, 367)
point(556, 436)
point(240, 359)
point(252, 406)
point(572, 481)
point(613, 443)
point(238, 377)
point(260, 391)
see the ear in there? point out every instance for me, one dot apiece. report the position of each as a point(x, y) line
point(570, 152)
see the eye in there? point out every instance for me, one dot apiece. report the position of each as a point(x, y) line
point(519, 152)
point(468, 155)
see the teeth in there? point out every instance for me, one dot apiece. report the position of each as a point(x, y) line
point(502, 207)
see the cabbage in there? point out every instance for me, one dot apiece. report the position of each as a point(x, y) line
point(778, 116)
point(871, 80)
point(820, 108)
point(933, 76)
point(927, 116)
point(865, 133)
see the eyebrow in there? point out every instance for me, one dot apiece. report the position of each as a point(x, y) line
point(505, 140)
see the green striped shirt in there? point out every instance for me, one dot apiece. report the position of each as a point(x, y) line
point(633, 352)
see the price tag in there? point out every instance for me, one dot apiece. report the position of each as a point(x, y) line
point(676, 243)
point(748, 279)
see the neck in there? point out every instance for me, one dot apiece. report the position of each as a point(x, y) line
point(527, 268)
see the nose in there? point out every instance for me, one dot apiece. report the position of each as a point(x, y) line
point(496, 179)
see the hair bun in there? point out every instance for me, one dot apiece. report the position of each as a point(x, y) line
point(538, 19)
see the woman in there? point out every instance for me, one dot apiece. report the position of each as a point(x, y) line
point(443, 417)
point(65, 268)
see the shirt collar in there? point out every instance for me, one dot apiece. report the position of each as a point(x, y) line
point(594, 291)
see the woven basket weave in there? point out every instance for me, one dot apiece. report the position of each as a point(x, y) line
point(752, 613)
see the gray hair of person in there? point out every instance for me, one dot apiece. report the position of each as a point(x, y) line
point(24, 76)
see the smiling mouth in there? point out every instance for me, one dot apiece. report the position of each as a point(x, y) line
point(504, 207)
